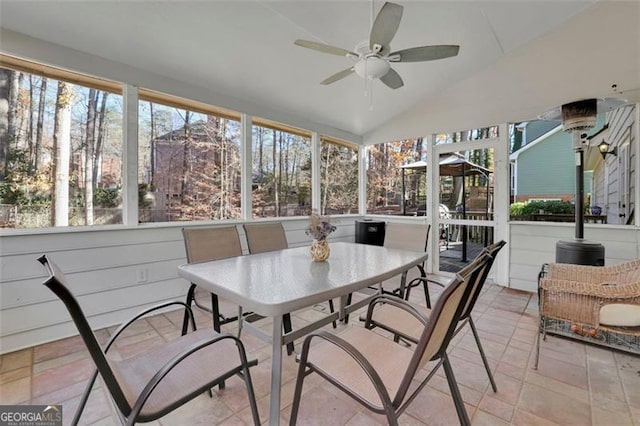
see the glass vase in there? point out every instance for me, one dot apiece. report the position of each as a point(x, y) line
point(320, 250)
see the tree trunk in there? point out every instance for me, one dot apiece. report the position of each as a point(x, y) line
point(62, 153)
point(152, 154)
point(276, 178)
point(99, 139)
point(5, 136)
point(39, 124)
point(30, 128)
point(89, 157)
point(14, 88)
point(185, 157)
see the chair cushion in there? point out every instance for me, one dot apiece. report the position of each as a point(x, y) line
point(620, 315)
point(196, 371)
point(378, 350)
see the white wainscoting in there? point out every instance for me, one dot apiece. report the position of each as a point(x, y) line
point(533, 243)
point(103, 267)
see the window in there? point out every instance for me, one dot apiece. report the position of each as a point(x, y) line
point(189, 160)
point(338, 177)
point(60, 147)
point(467, 135)
point(393, 175)
point(281, 170)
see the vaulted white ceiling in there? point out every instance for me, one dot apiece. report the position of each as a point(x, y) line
point(517, 58)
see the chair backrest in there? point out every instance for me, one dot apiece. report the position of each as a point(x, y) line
point(58, 285)
point(443, 321)
point(407, 236)
point(213, 243)
point(492, 251)
point(264, 237)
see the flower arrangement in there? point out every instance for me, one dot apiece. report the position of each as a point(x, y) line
point(319, 226)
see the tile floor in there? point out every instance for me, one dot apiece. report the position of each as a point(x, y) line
point(576, 384)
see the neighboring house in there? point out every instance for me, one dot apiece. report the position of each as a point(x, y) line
point(613, 176)
point(544, 167)
point(190, 167)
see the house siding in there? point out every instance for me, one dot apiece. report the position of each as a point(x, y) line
point(546, 168)
point(607, 177)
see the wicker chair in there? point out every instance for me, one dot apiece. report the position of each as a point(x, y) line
point(585, 302)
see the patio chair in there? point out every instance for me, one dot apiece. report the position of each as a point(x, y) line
point(597, 304)
point(383, 311)
point(407, 236)
point(206, 244)
point(380, 374)
point(265, 237)
point(149, 385)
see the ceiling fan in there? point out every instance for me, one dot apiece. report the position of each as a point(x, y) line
point(373, 57)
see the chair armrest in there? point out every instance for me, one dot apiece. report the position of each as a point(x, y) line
point(427, 280)
point(176, 360)
point(124, 326)
point(394, 301)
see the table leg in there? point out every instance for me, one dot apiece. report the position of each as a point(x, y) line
point(276, 371)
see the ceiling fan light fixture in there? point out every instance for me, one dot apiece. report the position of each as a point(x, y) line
point(372, 67)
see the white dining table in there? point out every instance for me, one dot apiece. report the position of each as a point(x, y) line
point(275, 283)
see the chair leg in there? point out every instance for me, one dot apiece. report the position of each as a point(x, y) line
point(297, 393)
point(215, 312)
point(189, 301)
point(427, 298)
point(85, 397)
point(542, 327)
point(332, 310)
point(215, 308)
point(455, 392)
point(246, 375)
point(346, 317)
point(286, 325)
point(484, 357)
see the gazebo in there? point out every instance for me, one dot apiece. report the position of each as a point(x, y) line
point(454, 165)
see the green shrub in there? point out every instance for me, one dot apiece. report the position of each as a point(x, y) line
point(534, 207)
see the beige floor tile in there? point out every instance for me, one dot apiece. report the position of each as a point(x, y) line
point(553, 406)
point(482, 418)
point(16, 392)
point(496, 407)
point(16, 359)
point(575, 384)
point(608, 411)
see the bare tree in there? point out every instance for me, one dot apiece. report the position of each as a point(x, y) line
point(100, 138)
point(39, 124)
point(5, 136)
point(62, 152)
point(89, 157)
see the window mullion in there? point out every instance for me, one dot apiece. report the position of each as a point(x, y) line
point(246, 193)
point(130, 154)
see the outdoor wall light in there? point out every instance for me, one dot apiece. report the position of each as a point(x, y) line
point(604, 149)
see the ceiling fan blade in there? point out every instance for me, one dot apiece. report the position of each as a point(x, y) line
point(337, 76)
point(424, 53)
point(324, 48)
point(385, 26)
point(392, 79)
